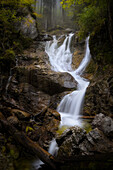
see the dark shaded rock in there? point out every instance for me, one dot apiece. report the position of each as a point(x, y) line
point(13, 120)
point(99, 96)
point(14, 152)
point(1, 116)
point(50, 126)
point(104, 123)
point(44, 133)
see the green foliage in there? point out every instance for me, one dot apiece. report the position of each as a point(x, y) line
point(28, 128)
point(90, 20)
point(11, 41)
point(9, 55)
point(94, 17)
point(90, 15)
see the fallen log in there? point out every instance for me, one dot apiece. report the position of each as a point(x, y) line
point(28, 144)
point(86, 117)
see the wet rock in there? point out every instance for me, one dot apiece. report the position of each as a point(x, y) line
point(104, 123)
point(61, 40)
point(78, 52)
point(27, 98)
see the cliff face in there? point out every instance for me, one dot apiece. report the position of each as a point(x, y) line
point(99, 95)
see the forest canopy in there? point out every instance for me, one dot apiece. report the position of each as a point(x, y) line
point(91, 15)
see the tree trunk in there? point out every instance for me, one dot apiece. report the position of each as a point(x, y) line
point(110, 22)
point(28, 144)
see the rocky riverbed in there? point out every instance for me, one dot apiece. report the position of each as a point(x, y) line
point(33, 93)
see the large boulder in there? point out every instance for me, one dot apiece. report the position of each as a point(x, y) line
point(76, 143)
point(69, 142)
point(104, 123)
point(28, 27)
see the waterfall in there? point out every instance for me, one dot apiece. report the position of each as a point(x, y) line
point(61, 60)
point(8, 82)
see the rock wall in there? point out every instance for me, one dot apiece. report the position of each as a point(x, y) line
point(33, 84)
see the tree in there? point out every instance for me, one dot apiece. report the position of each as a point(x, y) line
point(91, 15)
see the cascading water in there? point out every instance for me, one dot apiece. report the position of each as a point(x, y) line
point(61, 60)
point(8, 82)
point(70, 106)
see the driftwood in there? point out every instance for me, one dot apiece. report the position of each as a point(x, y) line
point(86, 117)
point(28, 144)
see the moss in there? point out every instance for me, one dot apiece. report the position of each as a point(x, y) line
point(10, 55)
point(14, 153)
point(3, 149)
point(92, 67)
point(28, 128)
point(87, 126)
point(62, 129)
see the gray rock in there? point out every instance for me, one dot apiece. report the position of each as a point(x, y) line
point(74, 143)
point(104, 123)
point(69, 142)
point(28, 27)
point(96, 142)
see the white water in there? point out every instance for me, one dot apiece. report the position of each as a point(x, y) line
point(8, 82)
point(61, 60)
